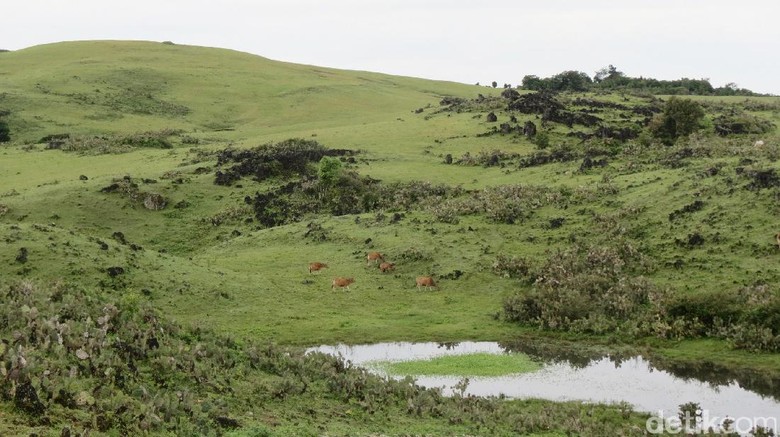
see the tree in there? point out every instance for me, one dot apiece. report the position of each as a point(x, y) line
point(495, 84)
point(680, 118)
point(533, 82)
point(571, 81)
point(606, 73)
point(329, 171)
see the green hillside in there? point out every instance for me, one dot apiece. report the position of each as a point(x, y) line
point(135, 174)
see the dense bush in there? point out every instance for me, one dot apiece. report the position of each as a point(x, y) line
point(511, 266)
point(5, 132)
point(346, 193)
point(601, 289)
point(587, 289)
point(680, 118)
point(284, 159)
point(741, 123)
point(75, 362)
point(501, 204)
point(609, 78)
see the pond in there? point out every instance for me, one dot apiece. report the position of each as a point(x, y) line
point(653, 386)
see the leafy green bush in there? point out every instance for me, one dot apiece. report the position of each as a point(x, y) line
point(680, 118)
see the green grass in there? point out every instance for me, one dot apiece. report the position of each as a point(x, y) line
point(252, 283)
point(478, 364)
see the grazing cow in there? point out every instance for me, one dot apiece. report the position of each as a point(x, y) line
point(777, 237)
point(317, 266)
point(341, 283)
point(385, 267)
point(375, 257)
point(425, 281)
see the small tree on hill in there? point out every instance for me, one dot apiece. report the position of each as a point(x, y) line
point(680, 118)
point(329, 171)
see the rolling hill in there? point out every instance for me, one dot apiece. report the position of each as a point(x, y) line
point(112, 182)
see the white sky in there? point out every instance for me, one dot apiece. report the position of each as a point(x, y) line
point(461, 40)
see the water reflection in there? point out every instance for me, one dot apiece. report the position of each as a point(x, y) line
point(579, 373)
point(709, 372)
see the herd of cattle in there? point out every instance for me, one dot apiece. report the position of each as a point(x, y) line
point(384, 266)
point(378, 259)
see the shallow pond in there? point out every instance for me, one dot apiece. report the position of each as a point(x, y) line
point(595, 378)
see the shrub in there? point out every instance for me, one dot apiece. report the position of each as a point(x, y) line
point(741, 123)
point(592, 289)
point(511, 267)
point(680, 118)
point(283, 159)
point(542, 140)
point(5, 132)
point(329, 170)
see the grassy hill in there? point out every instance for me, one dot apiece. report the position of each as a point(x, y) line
point(99, 127)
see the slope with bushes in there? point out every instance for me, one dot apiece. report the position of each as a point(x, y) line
point(203, 181)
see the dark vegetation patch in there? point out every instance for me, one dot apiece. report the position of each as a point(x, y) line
point(738, 123)
point(103, 144)
point(610, 79)
point(350, 193)
point(312, 179)
point(760, 178)
point(22, 255)
point(697, 205)
point(507, 204)
point(551, 110)
point(485, 158)
point(691, 241)
point(561, 153)
point(679, 156)
point(285, 159)
point(115, 271)
point(602, 289)
point(589, 163)
point(548, 108)
point(77, 362)
point(130, 188)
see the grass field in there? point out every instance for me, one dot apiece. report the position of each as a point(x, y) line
point(205, 261)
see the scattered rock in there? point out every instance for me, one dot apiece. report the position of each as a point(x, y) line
point(115, 271)
point(154, 202)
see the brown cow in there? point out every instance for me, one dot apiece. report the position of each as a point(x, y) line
point(385, 267)
point(425, 281)
point(341, 282)
point(317, 266)
point(375, 257)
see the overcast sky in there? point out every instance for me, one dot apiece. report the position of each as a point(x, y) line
point(461, 40)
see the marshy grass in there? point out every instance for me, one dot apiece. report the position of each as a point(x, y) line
point(478, 364)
